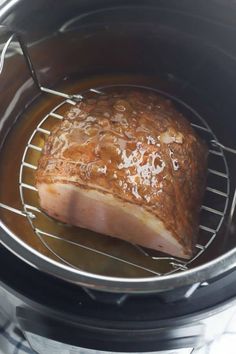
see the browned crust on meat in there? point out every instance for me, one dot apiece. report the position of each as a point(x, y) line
point(136, 146)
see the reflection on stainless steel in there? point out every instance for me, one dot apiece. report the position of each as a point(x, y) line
point(233, 205)
point(3, 53)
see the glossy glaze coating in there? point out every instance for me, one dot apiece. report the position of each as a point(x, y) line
point(135, 145)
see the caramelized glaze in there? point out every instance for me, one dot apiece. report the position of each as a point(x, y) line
point(137, 146)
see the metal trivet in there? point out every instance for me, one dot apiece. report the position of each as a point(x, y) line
point(218, 187)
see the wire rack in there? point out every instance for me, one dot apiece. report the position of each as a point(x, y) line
point(209, 216)
point(213, 210)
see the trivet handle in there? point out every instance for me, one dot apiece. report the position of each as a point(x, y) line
point(30, 66)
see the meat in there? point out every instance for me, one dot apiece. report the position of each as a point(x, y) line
point(129, 165)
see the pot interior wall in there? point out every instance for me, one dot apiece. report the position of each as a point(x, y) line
point(188, 57)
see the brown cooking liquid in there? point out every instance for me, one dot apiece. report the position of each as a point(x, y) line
point(78, 252)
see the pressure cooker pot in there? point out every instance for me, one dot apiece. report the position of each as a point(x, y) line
point(70, 288)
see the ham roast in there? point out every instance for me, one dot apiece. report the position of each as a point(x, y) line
point(129, 165)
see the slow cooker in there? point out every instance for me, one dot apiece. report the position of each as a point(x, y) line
point(68, 290)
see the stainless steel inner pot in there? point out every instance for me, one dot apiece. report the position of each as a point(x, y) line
point(47, 63)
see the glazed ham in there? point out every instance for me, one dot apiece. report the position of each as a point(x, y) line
point(129, 165)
